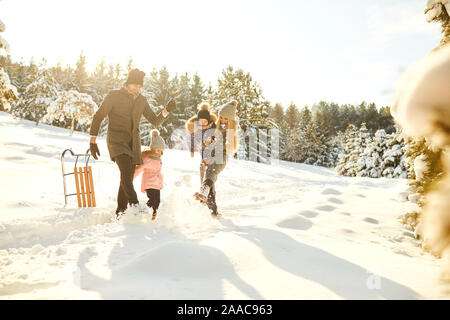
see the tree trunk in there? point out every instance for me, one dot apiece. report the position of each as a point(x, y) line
point(72, 126)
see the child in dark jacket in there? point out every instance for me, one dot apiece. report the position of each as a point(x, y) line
point(199, 126)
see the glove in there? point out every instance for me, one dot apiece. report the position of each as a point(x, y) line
point(208, 141)
point(171, 105)
point(94, 150)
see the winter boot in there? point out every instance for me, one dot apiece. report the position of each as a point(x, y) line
point(119, 213)
point(137, 209)
point(215, 214)
point(154, 215)
point(203, 194)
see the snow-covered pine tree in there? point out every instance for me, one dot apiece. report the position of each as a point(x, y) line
point(182, 97)
point(419, 151)
point(373, 155)
point(322, 127)
point(292, 117)
point(355, 141)
point(159, 88)
point(99, 81)
point(17, 73)
point(292, 130)
point(190, 94)
point(312, 146)
point(252, 110)
point(293, 145)
point(277, 115)
point(81, 76)
point(197, 95)
point(363, 139)
point(386, 121)
point(321, 118)
point(64, 77)
point(119, 76)
point(57, 74)
point(8, 93)
point(72, 105)
point(177, 118)
point(372, 118)
point(130, 64)
point(423, 164)
point(335, 148)
point(3, 43)
point(423, 114)
point(393, 164)
point(384, 156)
point(116, 78)
point(438, 11)
point(38, 95)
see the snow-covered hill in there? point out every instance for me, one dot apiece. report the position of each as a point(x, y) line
point(288, 232)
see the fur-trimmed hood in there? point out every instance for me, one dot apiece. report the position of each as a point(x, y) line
point(189, 125)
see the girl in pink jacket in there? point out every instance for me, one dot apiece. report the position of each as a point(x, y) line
point(152, 178)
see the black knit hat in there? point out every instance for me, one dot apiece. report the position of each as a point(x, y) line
point(203, 114)
point(136, 76)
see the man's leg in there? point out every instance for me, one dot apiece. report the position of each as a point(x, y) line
point(122, 201)
point(127, 194)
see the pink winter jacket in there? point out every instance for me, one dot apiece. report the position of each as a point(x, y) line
point(152, 177)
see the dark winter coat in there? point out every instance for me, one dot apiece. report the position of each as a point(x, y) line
point(124, 115)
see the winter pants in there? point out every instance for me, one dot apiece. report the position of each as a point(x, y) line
point(203, 168)
point(154, 198)
point(210, 177)
point(127, 194)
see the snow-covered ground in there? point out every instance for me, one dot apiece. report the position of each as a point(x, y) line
point(291, 231)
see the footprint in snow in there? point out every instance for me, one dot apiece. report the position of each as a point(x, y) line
point(309, 214)
point(256, 199)
point(296, 223)
point(331, 191)
point(326, 208)
point(335, 200)
point(371, 220)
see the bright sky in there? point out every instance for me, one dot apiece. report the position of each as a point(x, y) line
point(297, 50)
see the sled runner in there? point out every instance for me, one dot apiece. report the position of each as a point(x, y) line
point(84, 182)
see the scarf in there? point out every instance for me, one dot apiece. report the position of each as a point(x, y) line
point(134, 95)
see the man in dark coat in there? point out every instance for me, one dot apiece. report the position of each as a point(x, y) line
point(125, 108)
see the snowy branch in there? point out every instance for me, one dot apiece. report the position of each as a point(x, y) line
point(422, 105)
